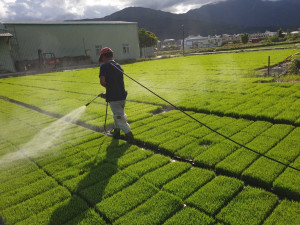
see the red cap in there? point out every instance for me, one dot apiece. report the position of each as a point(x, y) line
point(104, 51)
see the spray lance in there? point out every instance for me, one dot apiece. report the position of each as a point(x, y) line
point(102, 95)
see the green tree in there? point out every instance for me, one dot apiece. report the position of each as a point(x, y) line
point(280, 33)
point(245, 38)
point(147, 38)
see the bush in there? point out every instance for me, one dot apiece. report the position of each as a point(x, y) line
point(294, 66)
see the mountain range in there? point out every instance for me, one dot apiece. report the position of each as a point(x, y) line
point(231, 16)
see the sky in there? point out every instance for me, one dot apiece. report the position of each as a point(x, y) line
point(51, 10)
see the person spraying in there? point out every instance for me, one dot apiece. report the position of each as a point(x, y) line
point(112, 79)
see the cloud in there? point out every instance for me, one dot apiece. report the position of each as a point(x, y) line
point(29, 10)
point(4, 5)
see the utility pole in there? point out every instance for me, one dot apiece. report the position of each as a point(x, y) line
point(182, 39)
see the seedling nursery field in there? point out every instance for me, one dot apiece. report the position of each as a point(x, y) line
point(178, 172)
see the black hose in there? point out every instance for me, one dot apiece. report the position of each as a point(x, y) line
point(105, 118)
point(228, 138)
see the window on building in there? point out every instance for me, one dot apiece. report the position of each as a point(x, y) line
point(98, 49)
point(125, 48)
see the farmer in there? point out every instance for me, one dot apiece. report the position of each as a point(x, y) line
point(112, 79)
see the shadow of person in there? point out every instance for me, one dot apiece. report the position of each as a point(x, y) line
point(89, 188)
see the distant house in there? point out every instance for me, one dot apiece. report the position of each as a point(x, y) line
point(262, 36)
point(270, 33)
point(254, 37)
point(169, 42)
point(258, 36)
point(203, 42)
point(231, 37)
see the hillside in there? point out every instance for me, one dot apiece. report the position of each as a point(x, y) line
point(233, 16)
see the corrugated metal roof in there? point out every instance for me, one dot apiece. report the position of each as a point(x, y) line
point(5, 35)
point(66, 22)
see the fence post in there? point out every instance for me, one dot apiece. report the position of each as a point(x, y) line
point(269, 60)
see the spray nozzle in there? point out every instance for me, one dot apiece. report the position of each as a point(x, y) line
point(102, 95)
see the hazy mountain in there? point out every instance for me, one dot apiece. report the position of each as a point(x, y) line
point(232, 16)
point(284, 13)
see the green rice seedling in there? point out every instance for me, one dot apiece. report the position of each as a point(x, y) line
point(157, 123)
point(288, 116)
point(190, 216)
point(18, 171)
point(166, 173)
point(61, 152)
point(105, 188)
point(113, 155)
point(287, 212)
point(187, 183)
point(61, 213)
point(174, 145)
point(220, 151)
point(295, 134)
point(155, 141)
point(149, 134)
point(65, 163)
point(215, 154)
point(91, 177)
point(251, 206)
point(286, 150)
point(200, 132)
point(147, 165)
point(88, 217)
point(174, 124)
point(265, 171)
point(238, 161)
point(257, 127)
point(186, 128)
point(235, 112)
point(34, 205)
point(192, 150)
point(131, 158)
point(214, 195)
point(7, 148)
point(21, 194)
point(126, 200)
point(22, 181)
point(235, 127)
point(154, 211)
point(288, 183)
